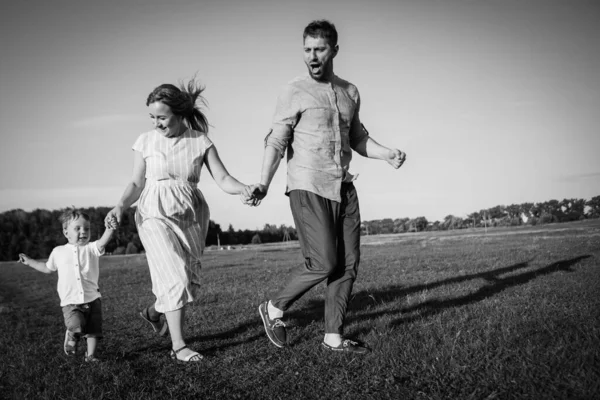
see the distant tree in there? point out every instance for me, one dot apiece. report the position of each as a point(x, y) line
point(119, 251)
point(447, 221)
point(496, 213)
point(547, 218)
point(526, 209)
point(271, 229)
point(271, 233)
point(536, 210)
point(553, 207)
point(452, 222)
point(137, 242)
point(256, 239)
point(230, 236)
point(292, 232)
point(526, 215)
point(374, 227)
point(131, 248)
point(593, 205)
point(474, 219)
point(39, 231)
point(418, 224)
point(214, 230)
point(548, 212)
point(387, 225)
point(458, 223)
point(400, 225)
point(513, 211)
point(572, 209)
point(364, 228)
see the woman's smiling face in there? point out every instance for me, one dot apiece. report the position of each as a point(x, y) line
point(165, 122)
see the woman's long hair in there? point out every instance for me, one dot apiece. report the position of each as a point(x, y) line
point(186, 101)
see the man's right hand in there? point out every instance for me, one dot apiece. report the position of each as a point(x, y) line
point(253, 194)
point(260, 191)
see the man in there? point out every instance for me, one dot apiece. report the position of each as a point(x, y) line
point(317, 122)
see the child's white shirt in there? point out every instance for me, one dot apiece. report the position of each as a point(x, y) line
point(78, 270)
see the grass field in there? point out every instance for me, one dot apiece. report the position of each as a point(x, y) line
point(502, 314)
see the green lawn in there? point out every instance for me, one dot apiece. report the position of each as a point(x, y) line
point(502, 314)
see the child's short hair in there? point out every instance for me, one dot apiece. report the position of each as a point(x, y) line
point(71, 214)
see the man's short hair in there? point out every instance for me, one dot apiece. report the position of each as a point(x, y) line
point(71, 214)
point(323, 29)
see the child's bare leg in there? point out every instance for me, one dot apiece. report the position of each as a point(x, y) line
point(92, 343)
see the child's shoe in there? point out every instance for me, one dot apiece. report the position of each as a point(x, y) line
point(91, 358)
point(70, 346)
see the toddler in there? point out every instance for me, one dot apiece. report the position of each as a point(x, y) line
point(77, 266)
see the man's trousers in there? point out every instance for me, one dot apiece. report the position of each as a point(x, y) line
point(329, 236)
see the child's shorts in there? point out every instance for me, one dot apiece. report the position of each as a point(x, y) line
point(85, 319)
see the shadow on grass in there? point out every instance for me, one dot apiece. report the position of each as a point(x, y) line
point(159, 350)
point(364, 300)
point(498, 285)
point(395, 294)
point(207, 345)
point(237, 333)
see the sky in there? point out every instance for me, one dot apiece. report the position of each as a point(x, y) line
point(495, 102)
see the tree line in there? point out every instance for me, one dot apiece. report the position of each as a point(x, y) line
point(547, 212)
point(37, 232)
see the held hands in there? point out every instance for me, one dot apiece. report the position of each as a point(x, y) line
point(113, 219)
point(253, 194)
point(396, 158)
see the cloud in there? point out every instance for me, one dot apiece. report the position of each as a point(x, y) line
point(99, 120)
point(580, 177)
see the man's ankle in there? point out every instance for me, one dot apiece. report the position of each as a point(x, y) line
point(332, 339)
point(273, 312)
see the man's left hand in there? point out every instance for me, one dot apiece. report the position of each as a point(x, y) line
point(396, 158)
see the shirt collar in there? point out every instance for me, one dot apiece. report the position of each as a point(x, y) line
point(75, 246)
point(309, 78)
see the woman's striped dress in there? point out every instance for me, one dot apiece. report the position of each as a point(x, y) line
point(172, 215)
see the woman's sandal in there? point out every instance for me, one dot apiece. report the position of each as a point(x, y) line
point(192, 357)
point(159, 326)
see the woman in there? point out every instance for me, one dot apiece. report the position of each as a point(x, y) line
point(172, 215)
